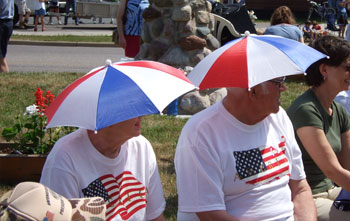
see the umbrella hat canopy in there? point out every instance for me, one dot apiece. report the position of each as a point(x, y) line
point(251, 60)
point(117, 92)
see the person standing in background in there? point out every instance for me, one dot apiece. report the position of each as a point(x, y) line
point(54, 8)
point(129, 23)
point(6, 28)
point(40, 11)
point(24, 13)
point(342, 16)
point(283, 24)
point(71, 4)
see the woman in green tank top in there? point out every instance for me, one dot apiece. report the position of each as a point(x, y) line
point(322, 126)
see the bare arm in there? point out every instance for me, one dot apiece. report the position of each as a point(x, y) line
point(301, 40)
point(323, 155)
point(344, 154)
point(120, 23)
point(215, 215)
point(304, 206)
point(159, 218)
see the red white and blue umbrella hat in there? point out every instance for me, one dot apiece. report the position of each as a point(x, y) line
point(117, 92)
point(251, 60)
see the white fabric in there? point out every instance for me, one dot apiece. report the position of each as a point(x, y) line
point(347, 33)
point(146, 78)
point(267, 64)
point(38, 5)
point(74, 163)
point(207, 177)
point(84, 98)
point(344, 99)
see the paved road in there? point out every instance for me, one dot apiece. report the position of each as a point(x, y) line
point(28, 58)
point(38, 58)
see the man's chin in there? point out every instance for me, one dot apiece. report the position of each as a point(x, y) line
point(276, 109)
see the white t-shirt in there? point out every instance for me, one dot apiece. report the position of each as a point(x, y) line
point(347, 33)
point(344, 99)
point(219, 164)
point(38, 5)
point(129, 183)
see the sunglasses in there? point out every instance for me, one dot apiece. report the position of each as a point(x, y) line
point(279, 81)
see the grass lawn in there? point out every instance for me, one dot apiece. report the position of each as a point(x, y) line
point(17, 92)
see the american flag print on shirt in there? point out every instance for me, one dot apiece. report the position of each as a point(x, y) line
point(124, 194)
point(263, 164)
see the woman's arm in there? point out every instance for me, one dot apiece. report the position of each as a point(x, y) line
point(120, 23)
point(215, 215)
point(344, 154)
point(159, 218)
point(301, 40)
point(319, 149)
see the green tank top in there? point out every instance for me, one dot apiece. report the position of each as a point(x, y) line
point(306, 110)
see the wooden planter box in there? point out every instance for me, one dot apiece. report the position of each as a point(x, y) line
point(15, 168)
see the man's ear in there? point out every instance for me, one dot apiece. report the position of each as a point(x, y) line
point(252, 93)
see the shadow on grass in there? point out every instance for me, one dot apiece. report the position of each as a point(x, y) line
point(167, 166)
point(171, 207)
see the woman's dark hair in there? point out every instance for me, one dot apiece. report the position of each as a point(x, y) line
point(337, 50)
point(282, 14)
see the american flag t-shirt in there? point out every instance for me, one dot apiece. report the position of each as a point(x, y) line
point(263, 164)
point(124, 194)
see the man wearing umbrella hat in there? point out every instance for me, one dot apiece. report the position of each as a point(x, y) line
point(107, 156)
point(116, 163)
point(239, 160)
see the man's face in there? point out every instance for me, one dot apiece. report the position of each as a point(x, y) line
point(268, 95)
point(127, 129)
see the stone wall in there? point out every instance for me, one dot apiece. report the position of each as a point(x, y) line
point(179, 33)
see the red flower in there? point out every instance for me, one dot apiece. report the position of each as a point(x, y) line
point(43, 102)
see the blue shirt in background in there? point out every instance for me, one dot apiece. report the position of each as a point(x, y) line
point(133, 17)
point(6, 9)
point(285, 30)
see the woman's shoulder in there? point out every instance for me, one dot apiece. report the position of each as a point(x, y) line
point(303, 102)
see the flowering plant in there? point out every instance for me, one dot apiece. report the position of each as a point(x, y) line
point(29, 133)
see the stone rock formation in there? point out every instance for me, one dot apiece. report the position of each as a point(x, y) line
point(179, 33)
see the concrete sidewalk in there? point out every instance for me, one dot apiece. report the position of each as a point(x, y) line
point(87, 28)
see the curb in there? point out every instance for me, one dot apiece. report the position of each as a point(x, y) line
point(62, 43)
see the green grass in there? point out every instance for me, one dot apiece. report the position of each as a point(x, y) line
point(17, 89)
point(65, 38)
